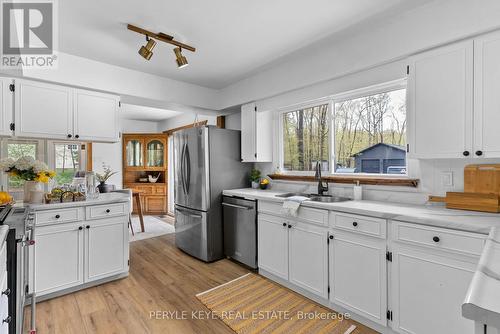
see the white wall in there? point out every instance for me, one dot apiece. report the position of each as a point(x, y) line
point(111, 154)
point(185, 119)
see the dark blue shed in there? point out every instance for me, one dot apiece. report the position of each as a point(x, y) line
point(381, 158)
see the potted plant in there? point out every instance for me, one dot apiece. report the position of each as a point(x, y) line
point(255, 178)
point(30, 172)
point(102, 178)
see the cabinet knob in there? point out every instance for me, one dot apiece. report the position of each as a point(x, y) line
point(284, 224)
point(70, 135)
point(58, 216)
point(331, 237)
point(108, 210)
point(87, 227)
point(435, 239)
point(6, 292)
point(7, 320)
point(77, 136)
point(289, 226)
point(466, 153)
point(354, 224)
point(80, 228)
point(479, 153)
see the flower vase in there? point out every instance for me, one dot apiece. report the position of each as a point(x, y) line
point(31, 187)
point(255, 185)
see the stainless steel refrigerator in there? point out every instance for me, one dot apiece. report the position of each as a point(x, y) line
point(207, 160)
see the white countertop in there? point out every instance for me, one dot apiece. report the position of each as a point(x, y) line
point(105, 198)
point(419, 214)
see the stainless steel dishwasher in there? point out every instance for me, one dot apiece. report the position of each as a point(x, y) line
point(240, 230)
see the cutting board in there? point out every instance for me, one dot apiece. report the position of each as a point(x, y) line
point(482, 179)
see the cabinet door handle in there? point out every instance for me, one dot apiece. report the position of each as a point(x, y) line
point(7, 320)
point(77, 136)
point(58, 216)
point(70, 135)
point(479, 153)
point(435, 239)
point(331, 237)
point(80, 228)
point(108, 210)
point(466, 153)
point(87, 227)
point(6, 292)
point(284, 224)
point(289, 226)
point(354, 224)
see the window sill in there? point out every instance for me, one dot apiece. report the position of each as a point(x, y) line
point(371, 180)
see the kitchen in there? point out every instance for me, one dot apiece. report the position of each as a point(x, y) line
point(236, 168)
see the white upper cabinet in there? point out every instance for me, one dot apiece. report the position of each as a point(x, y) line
point(440, 102)
point(486, 95)
point(6, 112)
point(256, 134)
point(59, 112)
point(43, 110)
point(96, 116)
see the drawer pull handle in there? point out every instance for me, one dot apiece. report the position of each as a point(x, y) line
point(58, 216)
point(289, 226)
point(80, 228)
point(466, 153)
point(331, 237)
point(6, 292)
point(354, 224)
point(7, 320)
point(284, 224)
point(108, 210)
point(87, 227)
point(435, 239)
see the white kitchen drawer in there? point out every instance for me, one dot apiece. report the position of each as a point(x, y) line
point(439, 238)
point(304, 214)
point(359, 224)
point(106, 210)
point(47, 217)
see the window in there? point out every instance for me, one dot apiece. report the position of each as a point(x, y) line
point(370, 134)
point(359, 132)
point(306, 138)
point(67, 160)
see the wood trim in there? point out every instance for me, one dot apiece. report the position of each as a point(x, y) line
point(193, 125)
point(221, 122)
point(89, 156)
point(379, 181)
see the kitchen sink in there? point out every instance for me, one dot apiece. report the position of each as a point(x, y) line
point(329, 199)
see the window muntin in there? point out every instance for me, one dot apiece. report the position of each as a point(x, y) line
point(305, 138)
point(67, 161)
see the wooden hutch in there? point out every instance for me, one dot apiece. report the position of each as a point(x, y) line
point(145, 154)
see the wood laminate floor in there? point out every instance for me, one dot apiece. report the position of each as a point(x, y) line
point(162, 278)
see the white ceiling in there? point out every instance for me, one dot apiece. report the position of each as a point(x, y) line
point(143, 113)
point(234, 38)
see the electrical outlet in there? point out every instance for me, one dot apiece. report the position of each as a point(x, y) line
point(447, 179)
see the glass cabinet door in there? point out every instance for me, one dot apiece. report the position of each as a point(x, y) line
point(155, 154)
point(134, 153)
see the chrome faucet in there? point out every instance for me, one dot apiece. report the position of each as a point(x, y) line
point(322, 186)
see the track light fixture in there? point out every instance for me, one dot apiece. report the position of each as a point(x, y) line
point(179, 58)
point(146, 51)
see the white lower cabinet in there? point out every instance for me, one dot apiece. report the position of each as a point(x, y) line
point(72, 254)
point(428, 289)
point(273, 245)
point(106, 242)
point(358, 275)
point(59, 257)
point(308, 258)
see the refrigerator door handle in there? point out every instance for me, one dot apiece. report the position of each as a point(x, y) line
point(188, 169)
point(182, 169)
point(187, 213)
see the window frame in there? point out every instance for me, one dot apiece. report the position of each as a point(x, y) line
point(331, 100)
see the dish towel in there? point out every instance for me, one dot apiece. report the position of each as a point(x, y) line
point(291, 205)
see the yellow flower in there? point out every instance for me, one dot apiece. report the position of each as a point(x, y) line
point(51, 173)
point(42, 177)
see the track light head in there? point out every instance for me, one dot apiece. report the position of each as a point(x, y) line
point(146, 51)
point(179, 58)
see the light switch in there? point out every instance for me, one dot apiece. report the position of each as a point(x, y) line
point(447, 179)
